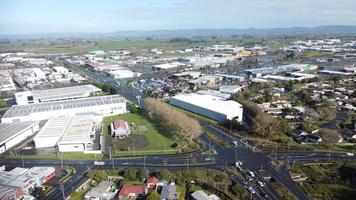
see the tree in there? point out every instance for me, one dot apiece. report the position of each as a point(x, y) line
point(153, 196)
point(239, 191)
point(178, 122)
point(141, 174)
point(165, 174)
point(329, 136)
point(130, 174)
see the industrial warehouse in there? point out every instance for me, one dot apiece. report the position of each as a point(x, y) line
point(69, 133)
point(13, 133)
point(101, 105)
point(209, 106)
point(56, 94)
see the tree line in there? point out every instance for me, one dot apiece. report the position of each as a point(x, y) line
point(179, 123)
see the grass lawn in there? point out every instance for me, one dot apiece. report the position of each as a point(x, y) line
point(181, 190)
point(79, 195)
point(159, 140)
point(65, 156)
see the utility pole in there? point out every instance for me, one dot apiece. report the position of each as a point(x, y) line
point(187, 162)
point(64, 196)
point(144, 162)
point(23, 163)
point(138, 97)
point(61, 161)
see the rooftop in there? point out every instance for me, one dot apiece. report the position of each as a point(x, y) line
point(62, 93)
point(55, 127)
point(127, 190)
point(100, 189)
point(120, 124)
point(210, 102)
point(78, 129)
point(24, 110)
point(8, 131)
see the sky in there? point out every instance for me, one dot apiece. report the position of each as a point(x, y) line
point(93, 16)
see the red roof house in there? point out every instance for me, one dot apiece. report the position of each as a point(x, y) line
point(120, 128)
point(132, 191)
point(152, 182)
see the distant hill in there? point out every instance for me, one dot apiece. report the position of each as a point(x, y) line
point(330, 29)
point(250, 31)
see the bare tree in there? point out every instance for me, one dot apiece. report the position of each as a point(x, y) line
point(179, 123)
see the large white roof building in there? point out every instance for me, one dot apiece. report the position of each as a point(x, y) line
point(56, 94)
point(52, 132)
point(100, 105)
point(13, 133)
point(76, 137)
point(209, 106)
point(69, 133)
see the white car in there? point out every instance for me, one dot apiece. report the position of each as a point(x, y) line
point(261, 184)
point(235, 142)
point(99, 163)
point(349, 154)
point(251, 174)
point(251, 190)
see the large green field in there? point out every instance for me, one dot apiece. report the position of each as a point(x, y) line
point(158, 139)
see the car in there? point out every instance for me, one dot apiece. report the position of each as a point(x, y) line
point(350, 154)
point(99, 163)
point(264, 195)
point(253, 191)
point(209, 159)
point(251, 174)
point(260, 183)
point(235, 143)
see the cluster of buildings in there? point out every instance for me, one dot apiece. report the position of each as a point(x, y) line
point(19, 183)
point(340, 48)
point(37, 77)
point(168, 191)
point(71, 116)
point(23, 71)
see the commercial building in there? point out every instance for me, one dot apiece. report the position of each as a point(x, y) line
point(100, 105)
point(230, 89)
point(26, 179)
point(120, 128)
point(6, 84)
point(167, 66)
point(215, 93)
point(209, 106)
point(14, 133)
point(69, 133)
point(9, 192)
point(231, 78)
point(52, 132)
point(77, 136)
point(123, 74)
point(56, 94)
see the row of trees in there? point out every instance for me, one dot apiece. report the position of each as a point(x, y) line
point(179, 123)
